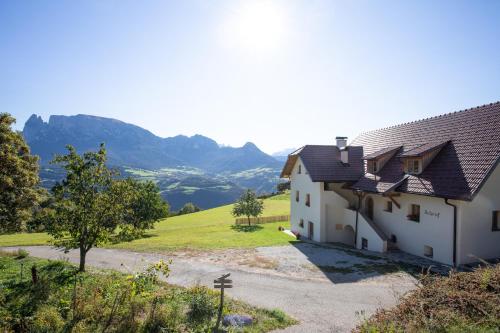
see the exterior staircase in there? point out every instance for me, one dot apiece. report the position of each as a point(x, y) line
point(391, 246)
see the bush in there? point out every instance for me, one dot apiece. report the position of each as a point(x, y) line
point(461, 302)
point(22, 253)
point(47, 319)
point(278, 315)
point(202, 306)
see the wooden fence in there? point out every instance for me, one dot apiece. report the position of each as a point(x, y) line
point(264, 219)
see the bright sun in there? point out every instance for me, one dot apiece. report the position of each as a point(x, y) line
point(255, 26)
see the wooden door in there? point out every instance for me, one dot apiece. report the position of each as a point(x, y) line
point(310, 229)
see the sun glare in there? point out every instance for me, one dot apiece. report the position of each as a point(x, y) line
point(255, 26)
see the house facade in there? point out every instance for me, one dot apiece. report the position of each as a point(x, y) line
point(430, 188)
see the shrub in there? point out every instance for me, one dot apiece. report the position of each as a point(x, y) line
point(278, 315)
point(22, 253)
point(461, 302)
point(202, 306)
point(47, 319)
point(164, 318)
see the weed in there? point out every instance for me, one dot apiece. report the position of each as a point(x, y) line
point(461, 302)
point(278, 315)
point(202, 306)
point(22, 253)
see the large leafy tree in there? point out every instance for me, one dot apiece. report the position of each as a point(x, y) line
point(91, 206)
point(248, 205)
point(18, 177)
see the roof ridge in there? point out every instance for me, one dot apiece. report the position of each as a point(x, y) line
point(428, 118)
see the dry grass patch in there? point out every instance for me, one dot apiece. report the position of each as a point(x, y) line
point(461, 302)
point(259, 262)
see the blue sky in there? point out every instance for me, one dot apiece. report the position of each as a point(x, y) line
point(277, 73)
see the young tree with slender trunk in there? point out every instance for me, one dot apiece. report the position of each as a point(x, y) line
point(91, 205)
point(248, 205)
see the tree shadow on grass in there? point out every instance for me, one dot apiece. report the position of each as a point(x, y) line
point(246, 228)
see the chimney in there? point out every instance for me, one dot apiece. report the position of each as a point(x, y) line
point(341, 142)
point(342, 145)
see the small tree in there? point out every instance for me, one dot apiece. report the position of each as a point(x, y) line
point(283, 186)
point(248, 205)
point(189, 208)
point(90, 204)
point(19, 180)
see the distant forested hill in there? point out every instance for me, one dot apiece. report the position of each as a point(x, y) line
point(192, 168)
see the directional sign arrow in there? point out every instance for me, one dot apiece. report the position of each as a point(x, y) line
point(223, 281)
point(222, 287)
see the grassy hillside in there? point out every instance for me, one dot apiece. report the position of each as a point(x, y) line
point(208, 229)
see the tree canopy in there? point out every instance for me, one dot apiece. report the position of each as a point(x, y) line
point(18, 178)
point(91, 205)
point(248, 205)
point(188, 208)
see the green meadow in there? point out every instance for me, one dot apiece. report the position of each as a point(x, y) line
point(209, 229)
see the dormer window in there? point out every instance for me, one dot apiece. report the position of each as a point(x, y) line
point(417, 159)
point(376, 161)
point(372, 166)
point(414, 166)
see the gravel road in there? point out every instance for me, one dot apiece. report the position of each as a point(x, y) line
point(321, 305)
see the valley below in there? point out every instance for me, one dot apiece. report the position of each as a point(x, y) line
point(186, 169)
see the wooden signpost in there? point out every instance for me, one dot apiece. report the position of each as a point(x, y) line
point(221, 283)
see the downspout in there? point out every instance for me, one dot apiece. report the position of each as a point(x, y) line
point(454, 231)
point(357, 214)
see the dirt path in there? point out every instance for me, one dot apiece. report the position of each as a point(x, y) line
point(322, 302)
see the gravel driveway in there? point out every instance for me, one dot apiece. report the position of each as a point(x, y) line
point(316, 285)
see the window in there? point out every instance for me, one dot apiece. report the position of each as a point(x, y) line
point(372, 166)
point(364, 243)
point(388, 206)
point(301, 223)
point(394, 239)
point(428, 251)
point(300, 169)
point(414, 166)
point(308, 200)
point(414, 214)
point(495, 226)
point(297, 196)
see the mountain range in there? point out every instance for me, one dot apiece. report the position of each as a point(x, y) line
point(185, 168)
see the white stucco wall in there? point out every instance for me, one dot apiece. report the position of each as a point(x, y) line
point(375, 242)
point(334, 213)
point(298, 210)
point(475, 236)
point(435, 228)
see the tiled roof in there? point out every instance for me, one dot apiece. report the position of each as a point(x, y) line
point(461, 167)
point(324, 165)
point(380, 152)
point(423, 149)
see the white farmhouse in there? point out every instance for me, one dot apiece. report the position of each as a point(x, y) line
point(430, 188)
